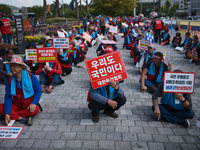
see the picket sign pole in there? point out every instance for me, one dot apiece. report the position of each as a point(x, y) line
point(47, 63)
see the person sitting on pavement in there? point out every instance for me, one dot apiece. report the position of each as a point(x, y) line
point(146, 57)
point(135, 51)
point(23, 92)
point(194, 46)
point(108, 98)
point(129, 40)
point(49, 74)
point(176, 108)
point(65, 60)
point(33, 65)
point(154, 71)
point(166, 37)
point(176, 40)
point(5, 72)
point(48, 42)
point(187, 43)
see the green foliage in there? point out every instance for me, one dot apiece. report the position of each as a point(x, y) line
point(6, 9)
point(58, 20)
point(167, 10)
point(113, 7)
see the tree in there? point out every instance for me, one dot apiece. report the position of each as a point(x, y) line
point(76, 5)
point(114, 7)
point(166, 10)
point(6, 9)
point(38, 10)
point(56, 8)
point(44, 9)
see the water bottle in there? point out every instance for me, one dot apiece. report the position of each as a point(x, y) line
point(198, 121)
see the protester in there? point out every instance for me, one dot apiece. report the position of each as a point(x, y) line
point(85, 23)
point(102, 24)
point(23, 92)
point(5, 28)
point(5, 72)
point(146, 57)
point(175, 107)
point(166, 37)
point(187, 43)
point(49, 74)
point(32, 64)
point(176, 40)
point(108, 98)
point(129, 41)
point(65, 60)
point(154, 71)
point(157, 27)
point(48, 42)
point(194, 46)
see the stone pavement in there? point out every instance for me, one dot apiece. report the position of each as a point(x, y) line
point(66, 122)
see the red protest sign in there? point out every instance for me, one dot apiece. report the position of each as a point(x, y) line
point(46, 54)
point(193, 54)
point(104, 68)
point(71, 49)
point(87, 37)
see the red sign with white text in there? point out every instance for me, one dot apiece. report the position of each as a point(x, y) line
point(105, 68)
point(46, 54)
point(193, 54)
point(87, 37)
point(71, 49)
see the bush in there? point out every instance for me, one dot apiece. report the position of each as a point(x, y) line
point(34, 39)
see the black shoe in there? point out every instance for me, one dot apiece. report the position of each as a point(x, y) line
point(113, 115)
point(64, 74)
point(95, 119)
point(185, 123)
point(27, 120)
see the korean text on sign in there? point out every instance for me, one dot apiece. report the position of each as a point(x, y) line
point(179, 82)
point(61, 43)
point(87, 37)
point(109, 67)
point(10, 132)
point(46, 54)
point(149, 37)
point(31, 54)
point(113, 29)
point(164, 53)
point(143, 44)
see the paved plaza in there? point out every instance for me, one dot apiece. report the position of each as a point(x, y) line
point(65, 122)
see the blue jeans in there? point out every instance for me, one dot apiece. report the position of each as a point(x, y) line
point(173, 115)
point(174, 44)
point(44, 80)
point(149, 83)
point(6, 38)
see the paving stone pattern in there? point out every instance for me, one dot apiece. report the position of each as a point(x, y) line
point(66, 122)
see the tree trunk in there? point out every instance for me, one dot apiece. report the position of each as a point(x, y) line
point(80, 6)
point(87, 9)
point(76, 5)
point(44, 9)
point(56, 8)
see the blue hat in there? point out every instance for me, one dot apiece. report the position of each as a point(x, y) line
point(32, 44)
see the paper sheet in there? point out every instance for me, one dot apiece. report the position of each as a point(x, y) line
point(11, 123)
point(179, 48)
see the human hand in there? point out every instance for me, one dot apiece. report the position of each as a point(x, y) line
point(9, 74)
point(7, 119)
point(179, 96)
point(157, 112)
point(98, 53)
point(32, 107)
point(170, 66)
point(154, 88)
point(112, 104)
point(143, 88)
point(113, 84)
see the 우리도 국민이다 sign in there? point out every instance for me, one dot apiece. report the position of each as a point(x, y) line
point(105, 68)
point(179, 82)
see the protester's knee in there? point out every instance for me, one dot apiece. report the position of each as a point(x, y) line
point(123, 100)
point(36, 111)
point(191, 114)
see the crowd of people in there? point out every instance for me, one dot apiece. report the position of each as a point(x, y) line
point(21, 103)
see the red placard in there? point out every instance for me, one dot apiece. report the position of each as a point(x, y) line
point(46, 54)
point(71, 49)
point(87, 37)
point(82, 46)
point(104, 68)
point(193, 54)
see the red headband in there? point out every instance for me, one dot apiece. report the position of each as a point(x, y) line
point(158, 57)
point(17, 60)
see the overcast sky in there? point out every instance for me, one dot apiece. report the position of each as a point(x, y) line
point(28, 3)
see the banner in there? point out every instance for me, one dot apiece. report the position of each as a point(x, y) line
point(164, 53)
point(179, 82)
point(31, 54)
point(143, 44)
point(87, 37)
point(113, 29)
point(193, 54)
point(107, 25)
point(105, 68)
point(71, 49)
point(62, 43)
point(10, 132)
point(60, 34)
point(46, 54)
point(149, 37)
point(108, 42)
